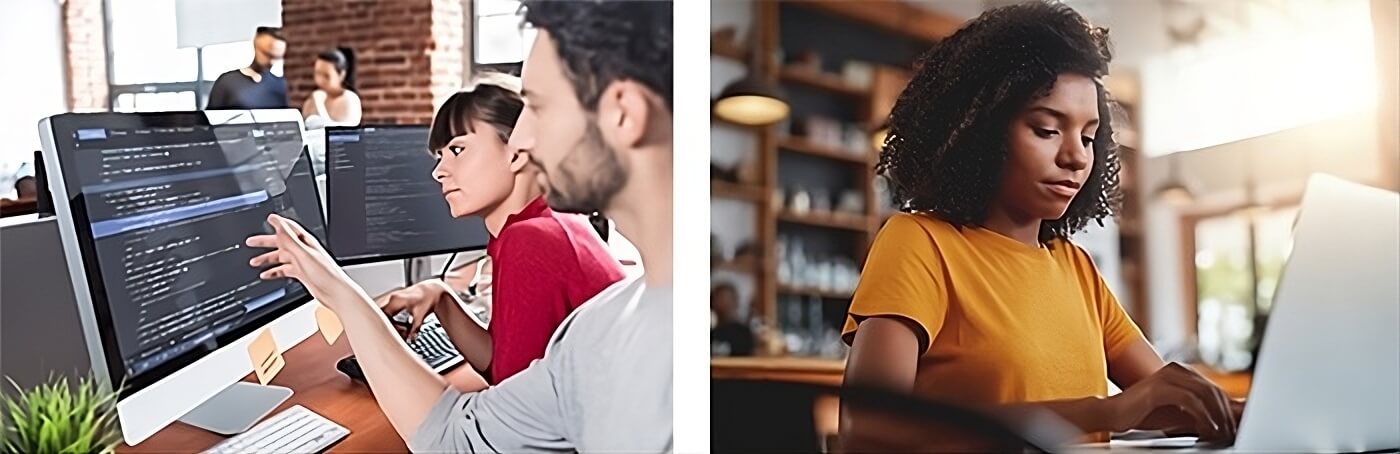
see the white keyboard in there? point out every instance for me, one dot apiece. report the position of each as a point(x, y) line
point(295, 429)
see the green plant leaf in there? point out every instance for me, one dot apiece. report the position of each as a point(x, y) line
point(59, 416)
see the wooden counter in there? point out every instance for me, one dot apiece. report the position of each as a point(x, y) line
point(829, 372)
point(819, 371)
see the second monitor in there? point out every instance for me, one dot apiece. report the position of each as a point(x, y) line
point(382, 201)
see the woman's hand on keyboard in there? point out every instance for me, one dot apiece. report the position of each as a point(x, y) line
point(1176, 400)
point(419, 300)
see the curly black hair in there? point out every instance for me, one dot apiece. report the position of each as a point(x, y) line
point(603, 41)
point(947, 141)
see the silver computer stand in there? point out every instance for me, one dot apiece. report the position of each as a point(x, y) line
point(235, 409)
point(417, 269)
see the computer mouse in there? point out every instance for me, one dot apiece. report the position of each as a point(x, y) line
point(351, 368)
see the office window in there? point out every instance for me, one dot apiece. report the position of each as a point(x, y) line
point(158, 101)
point(222, 58)
point(1228, 324)
point(499, 33)
point(143, 43)
point(148, 73)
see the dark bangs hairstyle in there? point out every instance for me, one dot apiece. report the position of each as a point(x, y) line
point(947, 143)
point(492, 97)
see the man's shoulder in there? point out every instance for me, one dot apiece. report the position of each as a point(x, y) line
point(616, 297)
point(229, 76)
point(611, 306)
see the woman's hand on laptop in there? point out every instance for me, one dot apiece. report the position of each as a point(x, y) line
point(418, 299)
point(1176, 400)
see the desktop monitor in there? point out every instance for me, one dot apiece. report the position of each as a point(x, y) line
point(41, 180)
point(382, 202)
point(153, 210)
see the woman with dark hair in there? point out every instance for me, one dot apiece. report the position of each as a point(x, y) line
point(334, 101)
point(1000, 148)
point(544, 264)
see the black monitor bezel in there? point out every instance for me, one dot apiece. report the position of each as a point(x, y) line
point(330, 192)
point(64, 126)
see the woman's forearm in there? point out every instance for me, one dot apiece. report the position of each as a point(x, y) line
point(1089, 414)
point(404, 386)
point(865, 430)
point(465, 331)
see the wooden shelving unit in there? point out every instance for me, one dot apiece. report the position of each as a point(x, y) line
point(845, 221)
point(821, 81)
point(728, 50)
point(807, 291)
point(865, 106)
point(804, 146)
point(739, 191)
point(737, 266)
point(890, 15)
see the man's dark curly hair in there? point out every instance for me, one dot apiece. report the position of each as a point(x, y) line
point(947, 143)
point(603, 41)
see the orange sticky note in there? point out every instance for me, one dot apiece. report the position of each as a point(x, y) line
point(329, 323)
point(267, 361)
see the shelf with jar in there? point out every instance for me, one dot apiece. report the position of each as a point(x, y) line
point(814, 172)
point(819, 207)
point(801, 272)
point(737, 191)
point(808, 326)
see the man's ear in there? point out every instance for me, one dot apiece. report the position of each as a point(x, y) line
point(623, 114)
point(519, 160)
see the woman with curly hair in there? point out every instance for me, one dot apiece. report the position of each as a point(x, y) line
point(999, 149)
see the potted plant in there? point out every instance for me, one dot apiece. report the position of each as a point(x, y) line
point(57, 418)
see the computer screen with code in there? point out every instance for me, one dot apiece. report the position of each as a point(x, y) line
point(163, 204)
point(382, 202)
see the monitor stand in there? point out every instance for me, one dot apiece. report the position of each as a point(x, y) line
point(417, 269)
point(236, 408)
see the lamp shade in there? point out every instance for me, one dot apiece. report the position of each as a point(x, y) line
point(751, 101)
point(1175, 194)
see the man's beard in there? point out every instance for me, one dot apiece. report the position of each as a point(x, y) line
point(588, 177)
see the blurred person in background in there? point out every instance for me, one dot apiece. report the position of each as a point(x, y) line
point(730, 330)
point(1001, 148)
point(597, 121)
point(256, 86)
point(334, 101)
point(27, 188)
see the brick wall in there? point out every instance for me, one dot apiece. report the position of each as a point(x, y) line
point(84, 40)
point(407, 52)
point(446, 57)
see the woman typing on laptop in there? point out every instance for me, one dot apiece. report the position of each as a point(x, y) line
point(1000, 148)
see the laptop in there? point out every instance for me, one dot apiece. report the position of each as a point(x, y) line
point(1328, 376)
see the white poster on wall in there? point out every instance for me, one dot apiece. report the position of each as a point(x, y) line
point(200, 23)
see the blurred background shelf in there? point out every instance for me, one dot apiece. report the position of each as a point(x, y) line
point(829, 220)
point(812, 291)
point(821, 81)
point(808, 147)
point(728, 50)
point(739, 191)
point(737, 266)
point(839, 92)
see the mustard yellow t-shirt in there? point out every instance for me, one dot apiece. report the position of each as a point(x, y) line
point(1001, 321)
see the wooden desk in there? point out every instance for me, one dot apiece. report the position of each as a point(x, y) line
point(18, 207)
point(318, 386)
point(818, 371)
